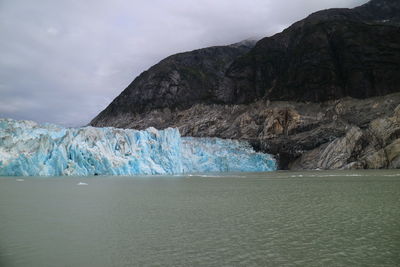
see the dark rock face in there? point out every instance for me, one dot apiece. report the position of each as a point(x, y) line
point(386, 11)
point(313, 95)
point(329, 55)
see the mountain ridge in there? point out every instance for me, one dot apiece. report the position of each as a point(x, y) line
point(328, 55)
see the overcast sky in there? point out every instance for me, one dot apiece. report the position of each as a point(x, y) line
point(64, 61)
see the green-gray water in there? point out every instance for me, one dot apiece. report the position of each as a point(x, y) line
point(260, 219)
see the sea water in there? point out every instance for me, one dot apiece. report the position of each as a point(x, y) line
point(317, 218)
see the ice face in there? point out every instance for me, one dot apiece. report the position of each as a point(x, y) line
point(29, 149)
point(219, 155)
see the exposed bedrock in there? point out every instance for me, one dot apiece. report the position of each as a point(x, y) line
point(327, 135)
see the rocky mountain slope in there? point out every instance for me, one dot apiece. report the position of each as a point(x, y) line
point(177, 82)
point(329, 55)
point(315, 95)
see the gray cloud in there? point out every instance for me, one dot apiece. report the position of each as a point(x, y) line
point(64, 61)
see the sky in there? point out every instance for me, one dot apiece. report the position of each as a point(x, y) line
point(64, 61)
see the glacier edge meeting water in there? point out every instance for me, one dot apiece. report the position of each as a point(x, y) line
point(30, 149)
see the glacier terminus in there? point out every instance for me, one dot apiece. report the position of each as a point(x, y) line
point(31, 149)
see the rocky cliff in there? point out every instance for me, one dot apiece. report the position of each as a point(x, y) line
point(321, 94)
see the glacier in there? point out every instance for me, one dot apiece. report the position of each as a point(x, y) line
point(30, 149)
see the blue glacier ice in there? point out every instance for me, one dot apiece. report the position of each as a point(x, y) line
point(30, 149)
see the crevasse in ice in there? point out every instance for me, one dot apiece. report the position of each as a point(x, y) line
point(30, 149)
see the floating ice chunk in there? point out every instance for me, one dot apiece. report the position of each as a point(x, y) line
point(80, 183)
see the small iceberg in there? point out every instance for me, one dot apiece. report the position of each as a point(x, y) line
point(19, 180)
point(80, 183)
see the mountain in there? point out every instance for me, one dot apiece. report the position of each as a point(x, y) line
point(177, 82)
point(327, 77)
